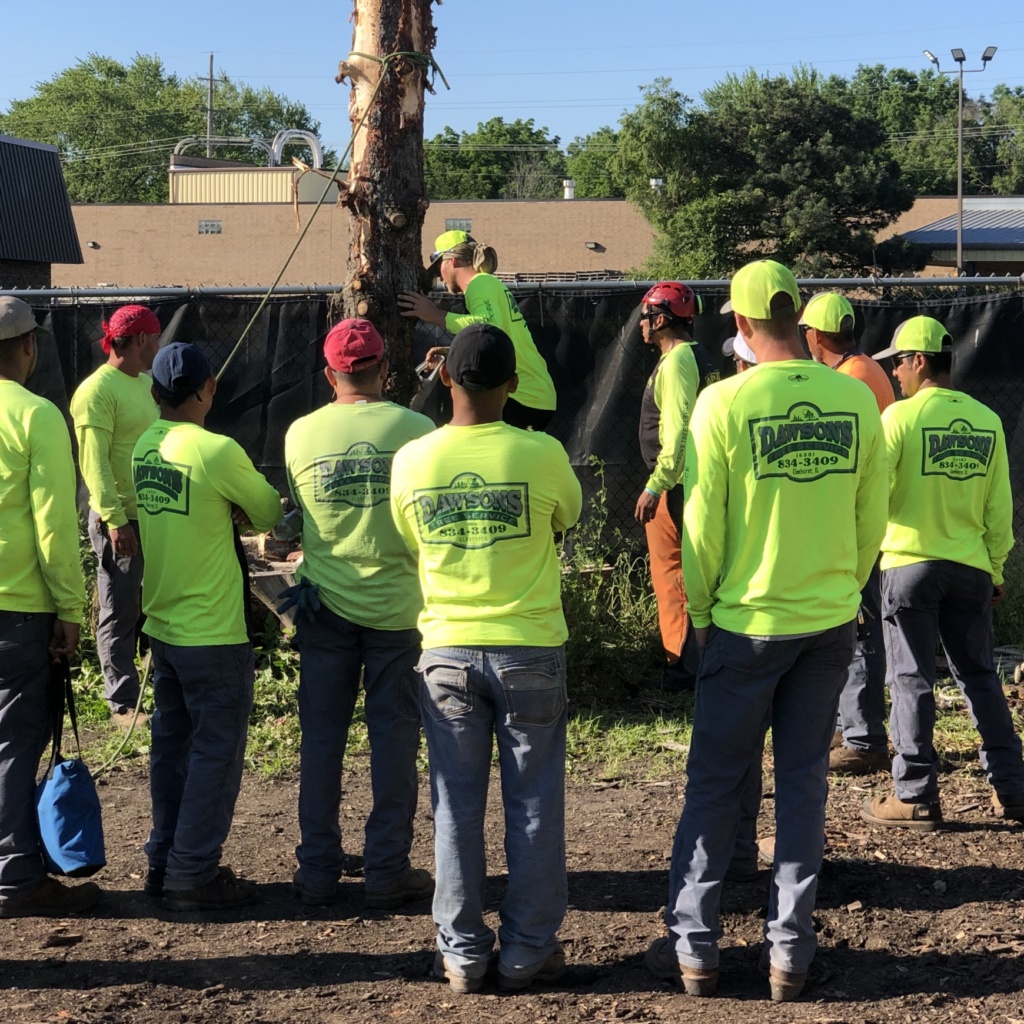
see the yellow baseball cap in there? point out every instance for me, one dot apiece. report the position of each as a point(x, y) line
point(918, 334)
point(754, 286)
point(444, 244)
point(828, 312)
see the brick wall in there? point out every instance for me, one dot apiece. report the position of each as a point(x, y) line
point(139, 246)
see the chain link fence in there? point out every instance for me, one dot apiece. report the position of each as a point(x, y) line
point(588, 332)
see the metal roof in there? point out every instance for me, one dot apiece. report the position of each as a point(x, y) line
point(991, 227)
point(36, 224)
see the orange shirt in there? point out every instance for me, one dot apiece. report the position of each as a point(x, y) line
point(868, 370)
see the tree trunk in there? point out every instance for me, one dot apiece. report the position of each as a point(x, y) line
point(385, 199)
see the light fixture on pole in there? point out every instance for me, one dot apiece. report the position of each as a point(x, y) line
point(959, 57)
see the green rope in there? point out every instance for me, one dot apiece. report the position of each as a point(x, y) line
point(422, 61)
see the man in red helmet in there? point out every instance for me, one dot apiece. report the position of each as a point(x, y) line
point(683, 369)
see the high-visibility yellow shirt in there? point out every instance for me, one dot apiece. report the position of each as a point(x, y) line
point(187, 478)
point(480, 506)
point(111, 409)
point(785, 485)
point(339, 469)
point(488, 301)
point(39, 566)
point(949, 483)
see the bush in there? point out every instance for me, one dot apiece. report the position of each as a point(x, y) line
point(609, 607)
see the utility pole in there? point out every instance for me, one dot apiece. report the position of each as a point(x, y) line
point(388, 69)
point(209, 108)
point(209, 111)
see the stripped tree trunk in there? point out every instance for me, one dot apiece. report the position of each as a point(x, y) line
point(385, 198)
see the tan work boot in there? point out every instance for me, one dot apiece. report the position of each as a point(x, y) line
point(662, 962)
point(888, 810)
point(459, 983)
point(550, 969)
point(837, 739)
point(785, 985)
point(1010, 805)
point(851, 761)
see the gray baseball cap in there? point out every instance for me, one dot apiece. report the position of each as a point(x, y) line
point(16, 318)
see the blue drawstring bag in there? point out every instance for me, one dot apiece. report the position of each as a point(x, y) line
point(70, 820)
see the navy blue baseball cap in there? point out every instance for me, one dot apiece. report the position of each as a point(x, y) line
point(180, 369)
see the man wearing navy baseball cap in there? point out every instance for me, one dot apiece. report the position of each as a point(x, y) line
point(188, 482)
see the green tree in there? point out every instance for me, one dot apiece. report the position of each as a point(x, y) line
point(1006, 125)
point(918, 112)
point(765, 166)
point(115, 125)
point(590, 163)
point(500, 160)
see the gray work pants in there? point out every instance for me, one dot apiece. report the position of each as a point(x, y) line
point(950, 603)
point(119, 588)
point(203, 697)
point(742, 682)
point(862, 702)
point(334, 654)
point(24, 734)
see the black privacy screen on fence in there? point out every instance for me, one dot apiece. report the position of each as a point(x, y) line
point(589, 335)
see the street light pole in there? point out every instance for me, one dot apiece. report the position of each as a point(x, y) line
point(959, 56)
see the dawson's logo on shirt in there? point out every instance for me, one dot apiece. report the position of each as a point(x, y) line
point(957, 451)
point(805, 444)
point(161, 486)
point(360, 477)
point(471, 513)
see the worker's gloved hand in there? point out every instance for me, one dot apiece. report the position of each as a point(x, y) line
point(302, 597)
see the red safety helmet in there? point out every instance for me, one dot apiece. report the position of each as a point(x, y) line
point(675, 300)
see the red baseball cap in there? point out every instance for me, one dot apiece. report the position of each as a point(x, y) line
point(353, 345)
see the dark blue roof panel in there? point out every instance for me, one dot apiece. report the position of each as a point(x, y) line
point(989, 228)
point(36, 224)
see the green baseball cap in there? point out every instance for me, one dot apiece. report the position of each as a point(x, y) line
point(754, 286)
point(444, 244)
point(918, 334)
point(828, 312)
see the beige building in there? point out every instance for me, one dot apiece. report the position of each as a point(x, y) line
point(245, 243)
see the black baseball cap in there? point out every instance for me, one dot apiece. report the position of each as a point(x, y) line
point(481, 358)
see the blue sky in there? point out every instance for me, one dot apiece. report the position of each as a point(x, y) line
point(572, 65)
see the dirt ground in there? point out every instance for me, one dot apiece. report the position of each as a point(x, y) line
point(913, 927)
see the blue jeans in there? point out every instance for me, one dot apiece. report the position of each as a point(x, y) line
point(119, 588)
point(742, 683)
point(203, 698)
point(952, 603)
point(470, 696)
point(334, 654)
point(862, 702)
point(24, 734)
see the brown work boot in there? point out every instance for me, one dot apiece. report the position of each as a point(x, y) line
point(1009, 805)
point(126, 719)
point(51, 898)
point(224, 892)
point(414, 884)
point(766, 850)
point(785, 985)
point(837, 739)
point(851, 761)
point(550, 969)
point(461, 983)
point(888, 810)
point(662, 962)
